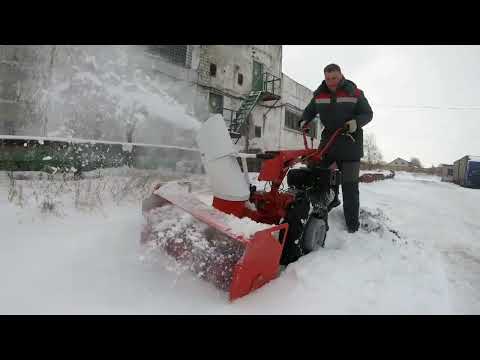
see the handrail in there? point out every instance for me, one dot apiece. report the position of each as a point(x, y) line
point(271, 83)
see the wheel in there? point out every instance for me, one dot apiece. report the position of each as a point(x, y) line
point(315, 234)
point(296, 217)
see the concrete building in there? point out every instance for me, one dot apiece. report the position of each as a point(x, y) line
point(295, 97)
point(260, 105)
point(226, 79)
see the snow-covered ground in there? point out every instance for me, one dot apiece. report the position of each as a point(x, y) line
point(375, 171)
point(75, 249)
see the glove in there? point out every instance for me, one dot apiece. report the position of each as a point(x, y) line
point(302, 124)
point(351, 125)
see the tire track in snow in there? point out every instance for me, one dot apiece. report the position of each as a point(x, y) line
point(448, 214)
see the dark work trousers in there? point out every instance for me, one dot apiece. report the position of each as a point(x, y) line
point(350, 194)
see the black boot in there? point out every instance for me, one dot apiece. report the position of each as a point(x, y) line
point(335, 202)
point(351, 205)
point(352, 229)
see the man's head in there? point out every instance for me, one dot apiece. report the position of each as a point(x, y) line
point(333, 76)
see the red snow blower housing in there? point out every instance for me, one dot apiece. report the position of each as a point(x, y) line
point(228, 243)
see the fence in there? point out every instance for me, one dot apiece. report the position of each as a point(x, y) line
point(76, 155)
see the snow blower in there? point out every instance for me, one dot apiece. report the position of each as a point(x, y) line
point(240, 242)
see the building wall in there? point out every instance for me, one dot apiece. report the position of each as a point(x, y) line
point(459, 169)
point(146, 59)
point(192, 84)
point(230, 61)
point(295, 97)
point(446, 173)
point(20, 70)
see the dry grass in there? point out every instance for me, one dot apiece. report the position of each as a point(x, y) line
point(51, 193)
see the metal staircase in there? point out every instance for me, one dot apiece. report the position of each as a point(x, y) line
point(268, 89)
point(242, 113)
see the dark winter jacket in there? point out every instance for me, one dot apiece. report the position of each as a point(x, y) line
point(334, 110)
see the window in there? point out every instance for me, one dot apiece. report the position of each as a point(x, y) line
point(291, 122)
point(449, 172)
point(258, 131)
point(216, 103)
point(240, 79)
point(176, 54)
point(213, 70)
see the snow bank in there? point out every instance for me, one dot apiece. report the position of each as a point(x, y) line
point(404, 175)
point(417, 252)
point(375, 171)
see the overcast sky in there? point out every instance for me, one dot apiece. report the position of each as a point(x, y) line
point(425, 99)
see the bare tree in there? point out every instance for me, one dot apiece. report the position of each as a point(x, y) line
point(373, 155)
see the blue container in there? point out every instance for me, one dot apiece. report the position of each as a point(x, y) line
point(472, 175)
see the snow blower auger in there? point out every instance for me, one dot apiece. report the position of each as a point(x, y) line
point(240, 241)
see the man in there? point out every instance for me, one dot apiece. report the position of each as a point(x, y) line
point(340, 104)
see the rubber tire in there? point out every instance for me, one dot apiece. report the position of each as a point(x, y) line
point(314, 235)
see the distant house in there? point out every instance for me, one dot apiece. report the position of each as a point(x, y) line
point(401, 164)
point(445, 171)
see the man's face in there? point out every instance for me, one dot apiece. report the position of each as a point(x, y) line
point(332, 79)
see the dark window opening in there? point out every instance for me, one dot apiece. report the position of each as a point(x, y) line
point(176, 54)
point(240, 79)
point(292, 119)
point(450, 172)
point(216, 103)
point(213, 70)
point(258, 131)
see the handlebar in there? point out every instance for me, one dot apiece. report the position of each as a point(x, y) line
point(343, 131)
point(321, 152)
point(304, 133)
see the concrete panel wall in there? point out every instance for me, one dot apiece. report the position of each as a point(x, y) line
point(296, 97)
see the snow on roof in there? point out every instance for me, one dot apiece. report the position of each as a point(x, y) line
point(400, 160)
